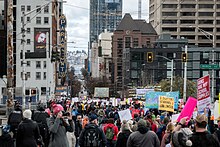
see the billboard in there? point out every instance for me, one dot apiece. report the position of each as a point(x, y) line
point(40, 39)
point(203, 93)
point(101, 92)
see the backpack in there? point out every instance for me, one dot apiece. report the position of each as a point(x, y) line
point(91, 137)
point(15, 119)
point(109, 133)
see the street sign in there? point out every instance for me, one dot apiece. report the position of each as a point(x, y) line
point(209, 66)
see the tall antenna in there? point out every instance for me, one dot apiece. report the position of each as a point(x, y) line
point(139, 9)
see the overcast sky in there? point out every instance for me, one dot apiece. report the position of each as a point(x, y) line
point(77, 14)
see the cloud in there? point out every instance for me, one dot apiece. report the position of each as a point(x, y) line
point(77, 14)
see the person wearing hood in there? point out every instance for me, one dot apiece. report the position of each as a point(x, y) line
point(143, 137)
point(28, 134)
point(58, 126)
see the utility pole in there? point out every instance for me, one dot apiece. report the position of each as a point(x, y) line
point(10, 58)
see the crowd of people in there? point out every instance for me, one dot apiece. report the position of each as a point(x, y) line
point(62, 123)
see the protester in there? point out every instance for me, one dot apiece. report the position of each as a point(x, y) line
point(78, 128)
point(201, 137)
point(15, 118)
point(40, 116)
point(92, 135)
point(111, 132)
point(143, 137)
point(123, 135)
point(217, 132)
point(167, 136)
point(58, 126)
point(28, 134)
point(161, 130)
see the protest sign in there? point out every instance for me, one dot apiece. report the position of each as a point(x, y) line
point(166, 104)
point(152, 98)
point(174, 118)
point(188, 109)
point(203, 93)
point(125, 115)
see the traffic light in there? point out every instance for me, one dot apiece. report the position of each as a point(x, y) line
point(184, 57)
point(150, 57)
point(54, 55)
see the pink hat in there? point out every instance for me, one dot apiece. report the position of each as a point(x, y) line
point(57, 108)
point(48, 111)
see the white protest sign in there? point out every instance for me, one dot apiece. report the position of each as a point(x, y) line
point(125, 115)
point(174, 118)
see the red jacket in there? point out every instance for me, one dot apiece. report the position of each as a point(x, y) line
point(115, 128)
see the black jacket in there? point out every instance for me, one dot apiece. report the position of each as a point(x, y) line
point(102, 138)
point(78, 128)
point(122, 138)
point(28, 134)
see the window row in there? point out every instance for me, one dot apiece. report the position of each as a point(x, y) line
point(37, 75)
point(37, 64)
point(38, 20)
point(40, 9)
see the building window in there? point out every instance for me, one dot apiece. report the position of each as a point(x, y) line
point(39, 9)
point(38, 64)
point(135, 42)
point(45, 64)
point(46, 20)
point(46, 9)
point(45, 76)
point(28, 41)
point(43, 90)
point(28, 63)
point(38, 76)
point(38, 20)
point(22, 8)
point(28, 30)
point(120, 43)
point(127, 42)
point(28, 8)
point(22, 19)
point(28, 19)
point(28, 75)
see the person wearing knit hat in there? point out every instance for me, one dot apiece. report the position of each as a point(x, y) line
point(28, 134)
point(123, 134)
point(58, 125)
point(143, 137)
point(27, 114)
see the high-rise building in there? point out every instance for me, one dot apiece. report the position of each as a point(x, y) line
point(190, 19)
point(40, 36)
point(3, 38)
point(104, 14)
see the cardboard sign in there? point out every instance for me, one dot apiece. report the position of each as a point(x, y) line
point(174, 118)
point(188, 109)
point(166, 103)
point(203, 93)
point(125, 115)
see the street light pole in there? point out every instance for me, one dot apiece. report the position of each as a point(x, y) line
point(185, 77)
point(207, 35)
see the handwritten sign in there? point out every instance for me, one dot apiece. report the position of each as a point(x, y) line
point(203, 93)
point(166, 103)
point(125, 115)
point(188, 109)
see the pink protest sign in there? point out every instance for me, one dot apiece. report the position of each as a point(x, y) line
point(203, 93)
point(188, 109)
